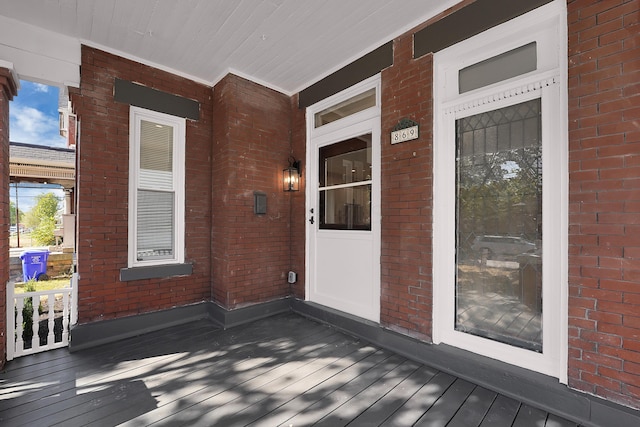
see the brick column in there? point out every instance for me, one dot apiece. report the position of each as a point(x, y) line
point(8, 89)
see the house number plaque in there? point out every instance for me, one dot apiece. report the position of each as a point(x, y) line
point(405, 130)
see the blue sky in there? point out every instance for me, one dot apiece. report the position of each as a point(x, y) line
point(33, 119)
point(33, 115)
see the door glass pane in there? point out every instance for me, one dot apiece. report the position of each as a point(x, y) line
point(499, 225)
point(345, 184)
point(346, 208)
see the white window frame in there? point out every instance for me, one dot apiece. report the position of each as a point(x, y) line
point(136, 115)
point(547, 27)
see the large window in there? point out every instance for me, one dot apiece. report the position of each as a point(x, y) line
point(500, 193)
point(499, 225)
point(156, 188)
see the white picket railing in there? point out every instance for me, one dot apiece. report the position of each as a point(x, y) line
point(44, 307)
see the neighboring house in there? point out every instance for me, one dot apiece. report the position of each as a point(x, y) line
point(513, 119)
point(67, 120)
point(51, 165)
point(42, 164)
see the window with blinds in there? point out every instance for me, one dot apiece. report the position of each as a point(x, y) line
point(156, 229)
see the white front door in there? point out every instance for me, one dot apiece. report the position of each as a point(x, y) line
point(343, 213)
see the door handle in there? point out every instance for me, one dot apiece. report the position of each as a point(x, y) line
point(311, 220)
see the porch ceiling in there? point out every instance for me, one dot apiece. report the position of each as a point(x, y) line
point(283, 44)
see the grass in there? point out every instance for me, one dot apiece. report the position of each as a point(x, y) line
point(26, 240)
point(45, 285)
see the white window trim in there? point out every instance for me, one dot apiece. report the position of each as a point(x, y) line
point(546, 26)
point(136, 114)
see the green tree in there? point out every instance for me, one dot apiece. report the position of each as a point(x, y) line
point(43, 217)
point(15, 216)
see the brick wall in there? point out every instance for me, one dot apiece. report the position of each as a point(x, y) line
point(103, 158)
point(406, 293)
point(604, 263)
point(252, 142)
point(7, 92)
point(72, 135)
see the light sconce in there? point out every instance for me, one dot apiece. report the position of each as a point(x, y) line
point(291, 175)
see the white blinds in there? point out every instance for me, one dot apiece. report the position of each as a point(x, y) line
point(155, 225)
point(155, 193)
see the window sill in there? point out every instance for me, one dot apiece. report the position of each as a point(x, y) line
point(155, 272)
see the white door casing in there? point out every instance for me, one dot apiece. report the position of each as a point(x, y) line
point(343, 266)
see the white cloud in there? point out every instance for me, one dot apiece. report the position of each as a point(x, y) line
point(32, 126)
point(39, 87)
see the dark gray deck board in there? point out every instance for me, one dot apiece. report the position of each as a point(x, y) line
point(355, 397)
point(277, 397)
point(502, 412)
point(320, 398)
point(233, 411)
point(284, 370)
point(223, 385)
point(447, 405)
point(395, 399)
point(530, 417)
point(556, 421)
point(421, 401)
point(474, 409)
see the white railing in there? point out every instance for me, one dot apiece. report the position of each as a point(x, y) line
point(51, 308)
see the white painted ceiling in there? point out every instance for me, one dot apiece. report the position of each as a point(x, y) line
point(284, 44)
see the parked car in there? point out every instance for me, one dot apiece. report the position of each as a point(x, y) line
point(502, 247)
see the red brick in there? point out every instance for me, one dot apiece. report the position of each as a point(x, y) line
point(611, 318)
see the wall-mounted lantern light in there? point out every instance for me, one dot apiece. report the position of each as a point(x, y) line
point(291, 175)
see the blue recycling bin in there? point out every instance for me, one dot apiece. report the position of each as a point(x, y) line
point(34, 264)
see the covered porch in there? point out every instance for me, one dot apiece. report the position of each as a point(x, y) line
point(285, 369)
point(210, 325)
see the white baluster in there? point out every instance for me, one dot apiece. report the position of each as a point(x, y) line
point(35, 339)
point(65, 317)
point(19, 320)
point(74, 299)
point(51, 337)
point(11, 319)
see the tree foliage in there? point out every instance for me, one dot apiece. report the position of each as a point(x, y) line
point(47, 206)
point(16, 217)
point(43, 218)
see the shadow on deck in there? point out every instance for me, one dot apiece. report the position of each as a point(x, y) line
point(284, 370)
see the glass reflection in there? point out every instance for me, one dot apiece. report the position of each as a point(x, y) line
point(499, 225)
point(345, 184)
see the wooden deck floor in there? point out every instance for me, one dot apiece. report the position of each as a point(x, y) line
point(285, 370)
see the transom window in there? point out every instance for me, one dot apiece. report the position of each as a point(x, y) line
point(346, 108)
